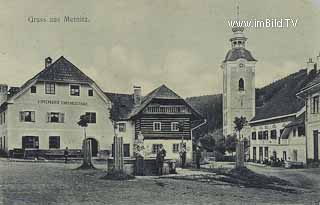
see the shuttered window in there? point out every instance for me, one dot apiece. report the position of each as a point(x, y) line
point(27, 116)
point(55, 117)
point(91, 117)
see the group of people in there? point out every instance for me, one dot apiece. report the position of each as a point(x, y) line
point(161, 154)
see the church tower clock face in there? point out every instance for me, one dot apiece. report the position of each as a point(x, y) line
point(238, 82)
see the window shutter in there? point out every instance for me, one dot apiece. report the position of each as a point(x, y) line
point(48, 116)
point(61, 117)
point(21, 116)
point(33, 116)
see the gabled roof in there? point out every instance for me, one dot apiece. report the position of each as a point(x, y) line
point(237, 53)
point(124, 108)
point(64, 71)
point(61, 70)
point(162, 92)
point(282, 100)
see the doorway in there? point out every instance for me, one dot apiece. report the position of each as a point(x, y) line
point(316, 144)
point(94, 146)
point(284, 157)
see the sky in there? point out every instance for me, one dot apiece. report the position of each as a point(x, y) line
point(180, 43)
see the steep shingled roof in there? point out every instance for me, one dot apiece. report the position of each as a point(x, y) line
point(61, 70)
point(124, 108)
point(162, 92)
point(282, 100)
point(237, 53)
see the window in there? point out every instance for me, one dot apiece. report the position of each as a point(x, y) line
point(174, 126)
point(90, 92)
point(56, 117)
point(31, 142)
point(301, 131)
point(315, 107)
point(50, 88)
point(294, 132)
point(241, 84)
point(75, 90)
point(91, 117)
point(0, 142)
point(126, 150)
point(254, 153)
point(273, 134)
point(33, 89)
point(155, 148)
point(27, 116)
point(54, 142)
point(122, 127)
point(157, 126)
point(175, 148)
point(265, 135)
point(254, 135)
point(260, 135)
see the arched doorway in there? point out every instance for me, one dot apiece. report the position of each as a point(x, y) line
point(94, 146)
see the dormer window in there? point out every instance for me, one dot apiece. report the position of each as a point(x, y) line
point(241, 84)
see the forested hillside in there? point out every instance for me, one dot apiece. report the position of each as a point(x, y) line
point(210, 106)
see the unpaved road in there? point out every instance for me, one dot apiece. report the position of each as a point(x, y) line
point(43, 183)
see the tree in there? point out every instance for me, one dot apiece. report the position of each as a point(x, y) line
point(239, 124)
point(208, 142)
point(87, 161)
point(231, 143)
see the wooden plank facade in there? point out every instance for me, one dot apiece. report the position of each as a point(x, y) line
point(166, 113)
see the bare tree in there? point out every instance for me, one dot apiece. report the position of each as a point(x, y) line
point(87, 160)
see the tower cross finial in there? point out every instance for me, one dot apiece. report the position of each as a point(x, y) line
point(238, 9)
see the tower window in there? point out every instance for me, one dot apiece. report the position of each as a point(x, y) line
point(241, 84)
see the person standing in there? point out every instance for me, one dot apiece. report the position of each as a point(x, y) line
point(198, 157)
point(66, 155)
point(160, 160)
point(183, 154)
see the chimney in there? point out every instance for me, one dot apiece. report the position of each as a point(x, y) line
point(137, 95)
point(3, 93)
point(310, 65)
point(48, 62)
point(317, 65)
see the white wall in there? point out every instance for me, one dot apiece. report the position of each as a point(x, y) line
point(168, 145)
point(312, 125)
point(70, 133)
point(288, 145)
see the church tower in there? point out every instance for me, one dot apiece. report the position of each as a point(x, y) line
point(238, 82)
